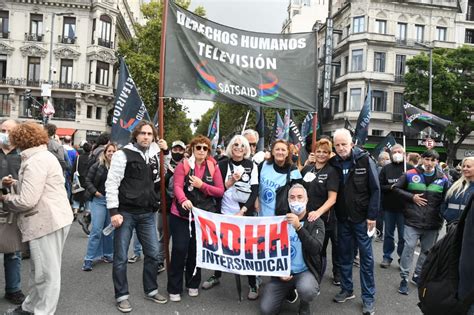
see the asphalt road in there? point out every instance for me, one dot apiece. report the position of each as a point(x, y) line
point(92, 292)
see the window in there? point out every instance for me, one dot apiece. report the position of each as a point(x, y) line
point(397, 134)
point(381, 26)
point(441, 33)
point(377, 132)
point(33, 75)
point(469, 36)
point(337, 70)
point(65, 80)
point(69, 30)
point(3, 67)
point(105, 31)
point(348, 30)
point(102, 73)
point(359, 24)
point(379, 101)
point(401, 31)
point(398, 106)
point(357, 58)
point(335, 105)
point(379, 62)
point(98, 113)
point(36, 28)
point(420, 33)
point(4, 105)
point(4, 24)
point(89, 111)
point(65, 108)
point(400, 61)
point(93, 31)
point(346, 64)
point(355, 104)
point(31, 108)
point(470, 10)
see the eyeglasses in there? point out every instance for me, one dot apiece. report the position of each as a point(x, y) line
point(253, 144)
point(201, 147)
point(236, 145)
point(144, 133)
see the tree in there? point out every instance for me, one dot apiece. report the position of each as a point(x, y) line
point(453, 93)
point(142, 54)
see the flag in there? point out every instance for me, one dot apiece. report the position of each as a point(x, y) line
point(362, 127)
point(348, 126)
point(286, 124)
point(278, 128)
point(387, 142)
point(307, 125)
point(129, 109)
point(156, 119)
point(213, 132)
point(416, 119)
point(260, 127)
point(295, 137)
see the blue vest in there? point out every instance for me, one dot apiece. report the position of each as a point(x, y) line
point(297, 261)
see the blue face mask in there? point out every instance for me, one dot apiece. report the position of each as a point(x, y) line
point(4, 140)
point(297, 207)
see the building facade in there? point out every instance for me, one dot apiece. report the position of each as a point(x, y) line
point(70, 45)
point(302, 14)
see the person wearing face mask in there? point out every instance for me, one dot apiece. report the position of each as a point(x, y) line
point(392, 205)
point(423, 190)
point(306, 241)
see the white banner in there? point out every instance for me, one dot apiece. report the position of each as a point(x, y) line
point(242, 245)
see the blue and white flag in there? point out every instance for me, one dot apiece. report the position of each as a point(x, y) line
point(129, 108)
point(286, 124)
point(362, 127)
point(307, 125)
point(278, 128)
point(213, 132)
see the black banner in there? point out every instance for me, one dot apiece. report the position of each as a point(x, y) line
point(209, 61)
point(416, 119)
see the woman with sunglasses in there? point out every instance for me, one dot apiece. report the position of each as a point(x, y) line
point(322, 183)
point(240, 176)
point(276, 172)
point(197, 183)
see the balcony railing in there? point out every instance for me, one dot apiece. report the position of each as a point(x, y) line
point(105, 43)
point(33, 37)
point(5, 35)
point(37, 83)
point(66, 39)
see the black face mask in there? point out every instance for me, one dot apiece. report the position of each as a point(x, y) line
point(294, 158)
point(177, 156)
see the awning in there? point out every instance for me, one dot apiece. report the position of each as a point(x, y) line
point(62, 132)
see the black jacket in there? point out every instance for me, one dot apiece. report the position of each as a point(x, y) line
point(311, 236)
point(411, 183)
point(358, 197)
point(388, 176)
point(466, 267)
point(95, 180)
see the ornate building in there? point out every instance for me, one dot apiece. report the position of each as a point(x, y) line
point(65, 48)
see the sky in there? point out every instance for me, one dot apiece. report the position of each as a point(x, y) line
point(253, 15)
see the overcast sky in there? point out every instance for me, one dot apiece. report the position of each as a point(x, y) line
point(252, 15)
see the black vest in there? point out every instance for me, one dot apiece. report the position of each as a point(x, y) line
point(197, 197)
point(136, 191)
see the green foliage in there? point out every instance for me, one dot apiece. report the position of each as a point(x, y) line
point(142, 55)
point(453, 93)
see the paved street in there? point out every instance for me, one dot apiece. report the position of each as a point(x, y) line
point(92, 292)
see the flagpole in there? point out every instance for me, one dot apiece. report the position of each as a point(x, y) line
point(245, 123)
point(164, 216)
point(405, 149)
point(316, 104)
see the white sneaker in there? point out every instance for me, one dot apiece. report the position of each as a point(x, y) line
point(175, 297)
point(193, 292)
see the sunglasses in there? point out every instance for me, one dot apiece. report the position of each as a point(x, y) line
point(201, 147)
point(236, 145)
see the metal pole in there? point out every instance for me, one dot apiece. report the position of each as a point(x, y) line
point(316, 104)
point(430, 95)
point(51, 49)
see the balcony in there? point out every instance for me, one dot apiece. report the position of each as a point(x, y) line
point(34, 83)
point(37, 83)
point(33, 37)
point(105, 43)
point(66, 39)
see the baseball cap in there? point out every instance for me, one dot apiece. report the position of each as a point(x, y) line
point(178, 143)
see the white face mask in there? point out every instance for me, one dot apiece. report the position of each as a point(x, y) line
point(297, 207)
point(397, 157)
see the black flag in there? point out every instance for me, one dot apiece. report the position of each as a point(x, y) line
point(416, 119)
point(387, 142)
point(260, 129)
point(362, 127)
point(128, 109)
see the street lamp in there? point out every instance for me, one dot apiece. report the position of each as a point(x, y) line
point(430, 91)
point(51, 43)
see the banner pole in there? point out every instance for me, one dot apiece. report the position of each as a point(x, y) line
point(245, 123)
point(405, 149)
point(316, 103)
point(164, 216)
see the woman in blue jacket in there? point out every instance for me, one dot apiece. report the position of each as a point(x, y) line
point(459, 193)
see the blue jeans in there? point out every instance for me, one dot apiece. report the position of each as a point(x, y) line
point(12, 265)
point(349, 233)
point(99, 245)
point(412, 235)
point(137, 247)
point(392, 220)
point(145, 225)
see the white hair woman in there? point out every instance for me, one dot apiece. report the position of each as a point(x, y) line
point(240, 177)
point(458, 195)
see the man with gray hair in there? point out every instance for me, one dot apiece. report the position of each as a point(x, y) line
point(306, 239)
point(392, 204)
point(357, 206)
point(252, 137)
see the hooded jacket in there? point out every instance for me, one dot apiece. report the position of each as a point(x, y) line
point(311, 236)
point(413, 182)
point(388, 176)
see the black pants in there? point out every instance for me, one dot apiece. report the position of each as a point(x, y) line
point(252, 279)
point(183, 254)
point(331, 234)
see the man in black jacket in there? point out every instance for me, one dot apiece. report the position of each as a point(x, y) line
point(392, 204)
point(306, 241)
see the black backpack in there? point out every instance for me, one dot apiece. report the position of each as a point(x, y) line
point(439, 278)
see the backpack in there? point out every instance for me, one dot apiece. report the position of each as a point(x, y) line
point(439, 278)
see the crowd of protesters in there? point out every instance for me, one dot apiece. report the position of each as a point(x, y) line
point(340, 194)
